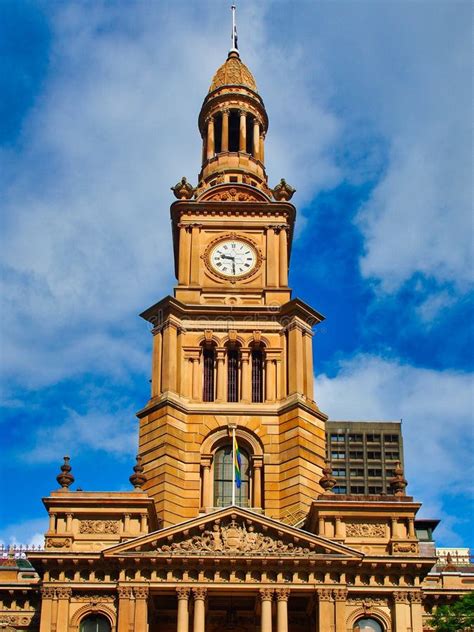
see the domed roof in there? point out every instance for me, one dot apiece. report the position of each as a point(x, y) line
point(233, 73)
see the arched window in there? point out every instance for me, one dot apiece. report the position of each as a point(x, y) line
point(95, 623)
point(209, 364)
point(367, 624)
point(257, 374)
point(233, 361)
point(223, 480)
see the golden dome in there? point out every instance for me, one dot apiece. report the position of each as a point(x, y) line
point(233, 73)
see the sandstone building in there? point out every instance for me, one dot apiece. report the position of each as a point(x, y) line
point(232, 352)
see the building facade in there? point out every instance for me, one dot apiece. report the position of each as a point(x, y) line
point(364, 455)
point(232, 353)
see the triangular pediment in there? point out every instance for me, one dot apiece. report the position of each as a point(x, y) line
point(233, 532)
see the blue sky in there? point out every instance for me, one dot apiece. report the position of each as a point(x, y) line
point(370, 120)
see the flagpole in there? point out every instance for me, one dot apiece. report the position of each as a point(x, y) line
point(233, 465)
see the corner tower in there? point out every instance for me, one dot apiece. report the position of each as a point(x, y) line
point(231, 348)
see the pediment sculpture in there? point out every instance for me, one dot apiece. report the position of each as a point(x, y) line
point(233, 539)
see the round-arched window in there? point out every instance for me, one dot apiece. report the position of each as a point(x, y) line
point(367, 624)
point(223, 478)
point(95, 623)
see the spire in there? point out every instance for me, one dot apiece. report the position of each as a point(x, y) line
point(234, 39)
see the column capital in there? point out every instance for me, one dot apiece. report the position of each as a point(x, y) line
point(340, 594)
point(124, 592)
point(200, 593)
point(243, 112)
point(400, 596)
point(63, 592)
point(324, 594)
point(141, 592)
point(282, 594)
point(183, 593)
point(225, 111)
point(266, 594)
point(209, 119)
point(47, 592)
point(416, 596)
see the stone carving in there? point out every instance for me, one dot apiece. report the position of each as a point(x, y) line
point(47, 592)
point(183, 190)
point(416, 597)
point(6, 619)
point(233, 72)
point(400, 597)
point(65, 478)
point(340, 594)
point(266, 594)
point(283, 191)
point(124, 592)
point(232, 195)
point(367, 602)
point(233, 539)
point(63, 592)
point(57, 543)
point(325, 594)
point(93, 598)
point(404, 548)
point(365, 530)
point(200, 593)
point(141, 592)
point(137, 479)
point(99, 526)
point(183, 593)
point(282, 594)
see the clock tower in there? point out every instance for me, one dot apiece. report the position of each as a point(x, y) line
point(232, 350)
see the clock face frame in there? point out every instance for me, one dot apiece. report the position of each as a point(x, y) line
point(233, 257)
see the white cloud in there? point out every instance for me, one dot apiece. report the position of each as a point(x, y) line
point(29, 533)
point(437, 412)
point(103, 428)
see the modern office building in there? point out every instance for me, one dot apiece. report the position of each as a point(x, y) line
point(364, 454)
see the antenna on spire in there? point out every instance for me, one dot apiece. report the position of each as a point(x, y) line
point(233, 37)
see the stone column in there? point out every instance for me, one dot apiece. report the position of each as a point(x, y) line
point(262, 147)
point(62, 622)
point(266, 596)
point(295, 359)
point(321, 528)
point(338, 527)
point(278, 370)
point(169, 368)
point(52, 523)
point(256, 139)
point(416, 599)
point(47, 595)
point(340, 598)
point(206, 460)
point(411, 528)
point(308, 369)
point(141, 608)
point(243, 131)
point(156, 363)
point(183, 269)
point(325, 610)
point(221, 376)
point(183, 609)
point(283, 257)
point(199, 609)
point(401, 611)
point(210, 137)
point(124, 608)
point(225, 131)
point(257, 463)
point(196, 379)
point(245, 381)
point(394, 528)
point(282, 595)
point(69, 522)
point(272, 258)
point(270, 378)
point(195, 253)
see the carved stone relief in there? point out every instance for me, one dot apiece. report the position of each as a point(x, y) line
point(365, 530)
point(99, 526)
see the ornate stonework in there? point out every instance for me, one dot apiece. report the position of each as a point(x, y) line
point(365, 530)
point(233, 539)
point(99, 526)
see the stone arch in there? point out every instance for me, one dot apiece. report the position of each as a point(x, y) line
point(93, 608)
point(217, 437)
point(375, 613)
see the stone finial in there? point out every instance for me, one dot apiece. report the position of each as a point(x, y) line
point(183, 190)
point(398, 483)
point(327, 480)
point(65, 478)
point(138, 478)
point(283, 191)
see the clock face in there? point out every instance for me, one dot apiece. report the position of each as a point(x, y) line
point(233, 258)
